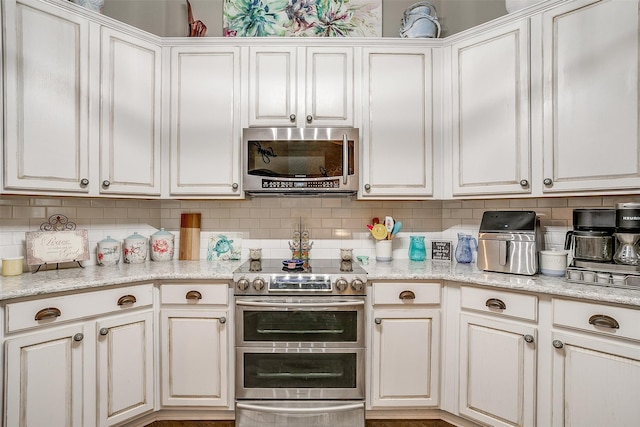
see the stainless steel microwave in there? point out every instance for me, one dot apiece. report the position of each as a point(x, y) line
point(300, 160)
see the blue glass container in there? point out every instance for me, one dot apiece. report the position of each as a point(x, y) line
point(417, 251)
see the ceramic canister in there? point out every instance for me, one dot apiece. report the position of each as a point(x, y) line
point(135, 249)
point(108, 252)
point(162, 245)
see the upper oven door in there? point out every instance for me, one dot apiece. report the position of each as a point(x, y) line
point(314, 322)
point(300, 160)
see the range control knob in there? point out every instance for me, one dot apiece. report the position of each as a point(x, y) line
point(258, 284)
point(342, 284)
point(357, 285)
point(243, 284)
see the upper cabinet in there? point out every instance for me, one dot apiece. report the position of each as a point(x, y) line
point(46, 54)
point(301, 86)
point(490, 112)
point(590, 93)
point(398, 123)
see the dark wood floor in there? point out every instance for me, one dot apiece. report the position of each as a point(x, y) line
point(369, 423)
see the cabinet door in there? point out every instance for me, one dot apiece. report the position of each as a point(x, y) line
point(497, 372)
point(47, 95)
point(44, 378)
point(329, 87)
point(590, 66)
point(125, 367)
point(405, 358)
point(273, 86)
point(194, 358)
point(490, 112)
point(130, 122)
point(397, 128)
point(205, 121)
point(595, 381)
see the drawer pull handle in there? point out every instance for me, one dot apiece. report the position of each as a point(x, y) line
point(127, 299)
point(496, 303)
point(528, 338)
point(604, 321)
point(407, 295)
point(557, 344)
point(48, 313)
point(193, 295)
point(104, 331)
point(223, 320)
point(378, 320)
point(78, 337)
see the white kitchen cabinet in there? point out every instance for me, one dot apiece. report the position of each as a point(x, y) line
point(590, 91)
point(125, 360)
point(490, 112)
point(398, 123)
point(195, 345)
point(205, 121)
point(498, 334)
point(130, 127)
point(60, 369)
point(596, 365)
point(46, 66)
point(405, 345)
point(301, 86)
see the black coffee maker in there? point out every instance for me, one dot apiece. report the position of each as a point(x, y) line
point(592, 238)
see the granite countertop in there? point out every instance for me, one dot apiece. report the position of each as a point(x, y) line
point(75, 279)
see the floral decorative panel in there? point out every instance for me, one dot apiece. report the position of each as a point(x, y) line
point(302, 18)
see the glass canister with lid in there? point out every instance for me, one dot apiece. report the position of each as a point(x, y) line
point(162, 245)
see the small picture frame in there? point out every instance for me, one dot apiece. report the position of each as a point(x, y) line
point(55, 247)
point(441, 250)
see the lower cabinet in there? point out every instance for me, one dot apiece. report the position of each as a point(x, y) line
point(71, 361)
point(596, 365)
point(404, 355)
point(195, 345)
point(498, 357)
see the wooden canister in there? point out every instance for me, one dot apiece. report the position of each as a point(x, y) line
point(189, 236)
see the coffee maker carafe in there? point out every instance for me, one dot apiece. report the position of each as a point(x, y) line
point(592, 236)
point(627, 234)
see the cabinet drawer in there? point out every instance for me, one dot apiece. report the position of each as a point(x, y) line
point(406, 293)
point(22, 315)
point(511, 304)
point(195, 293)
point(599, 318)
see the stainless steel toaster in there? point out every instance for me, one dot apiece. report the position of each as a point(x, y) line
point(509, 242)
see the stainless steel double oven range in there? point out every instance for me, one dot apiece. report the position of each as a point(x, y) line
point(299, 344)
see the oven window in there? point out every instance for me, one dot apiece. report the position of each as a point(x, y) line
point(300, 326)
point(298, 159)
point(300, 370)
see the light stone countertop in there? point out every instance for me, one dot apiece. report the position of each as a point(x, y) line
point(76, 279)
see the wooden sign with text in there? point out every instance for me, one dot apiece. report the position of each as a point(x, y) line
point(441, 250)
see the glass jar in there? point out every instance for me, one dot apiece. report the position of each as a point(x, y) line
point(417, 250)
point(465, 247)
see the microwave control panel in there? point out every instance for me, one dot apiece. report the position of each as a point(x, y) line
point(329, 183)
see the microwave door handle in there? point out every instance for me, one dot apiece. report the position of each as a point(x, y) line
point(345, 159)
point(285, 410)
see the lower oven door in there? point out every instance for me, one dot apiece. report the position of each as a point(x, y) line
point(301, 413)
point(299, 373)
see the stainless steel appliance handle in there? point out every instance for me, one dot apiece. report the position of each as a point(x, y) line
point(299, 304)
point(503, 252)
point(284, 410)
point(345, 159)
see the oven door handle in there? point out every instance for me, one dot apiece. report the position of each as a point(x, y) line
point(285, 410)
point(298, 304)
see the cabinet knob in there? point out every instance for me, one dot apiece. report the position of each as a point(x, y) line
point(528, 338)
point(235, 186)
point(193, 295)
point(367, 187)
point(223, 320)
point(557, 344)
point(84, 182)
point(524, 183)
point(377, 320)
point(126, 299)
point(309, 118)
point(548, 182)
point(104, 331)
point(604, 321)
point(292, 117)
point(48, 313)
point(106, 183)
point(78, 337)
point(407, 295)
point(496, 304)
